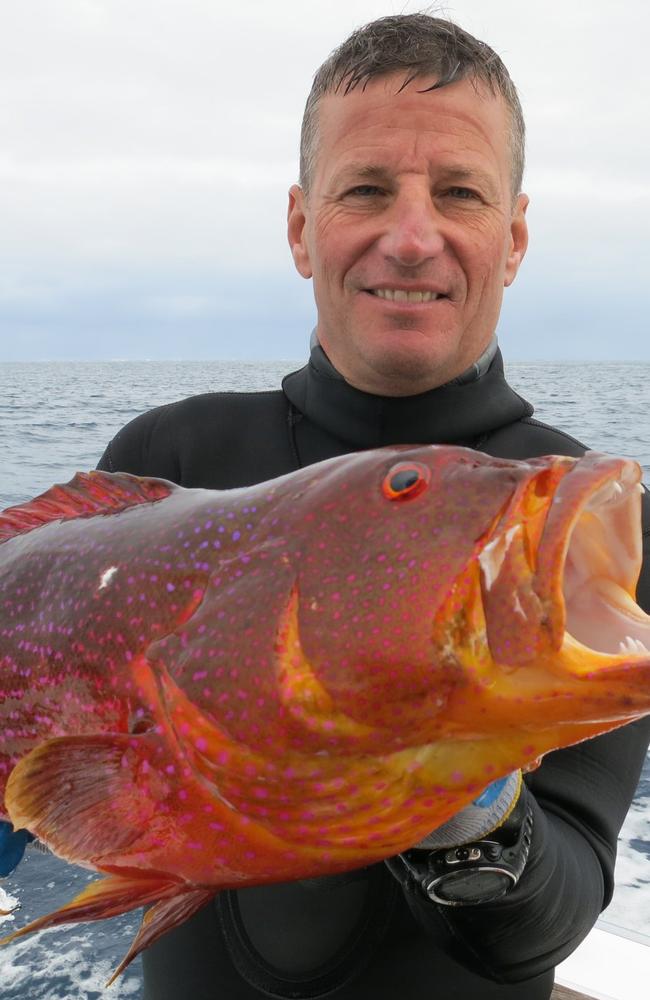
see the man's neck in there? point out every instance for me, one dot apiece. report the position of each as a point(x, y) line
point(473, 372)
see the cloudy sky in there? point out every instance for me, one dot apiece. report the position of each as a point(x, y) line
point(146, 148)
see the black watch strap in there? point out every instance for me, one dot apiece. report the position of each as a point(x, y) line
point(474, 873)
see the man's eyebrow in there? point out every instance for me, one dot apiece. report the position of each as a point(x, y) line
point(362, 172)
point(460, 172)
point(454, 173)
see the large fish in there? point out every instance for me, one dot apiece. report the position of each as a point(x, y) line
point(203, 690)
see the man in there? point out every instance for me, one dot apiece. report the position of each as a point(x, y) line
point(410, 220)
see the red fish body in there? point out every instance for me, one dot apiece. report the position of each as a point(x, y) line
point(203, 689)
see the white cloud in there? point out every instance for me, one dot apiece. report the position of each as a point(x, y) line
point(150, 145)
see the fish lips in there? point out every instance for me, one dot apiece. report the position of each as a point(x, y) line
point(567, 550)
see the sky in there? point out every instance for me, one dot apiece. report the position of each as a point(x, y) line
point(146, 151)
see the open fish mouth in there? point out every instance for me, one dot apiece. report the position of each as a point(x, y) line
point(602, 561)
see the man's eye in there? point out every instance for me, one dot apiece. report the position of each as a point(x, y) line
point(364, 191)
point(463, 193)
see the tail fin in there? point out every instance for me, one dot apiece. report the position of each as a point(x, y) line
point(115, 894)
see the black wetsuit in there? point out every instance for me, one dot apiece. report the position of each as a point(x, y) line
point(366, 936)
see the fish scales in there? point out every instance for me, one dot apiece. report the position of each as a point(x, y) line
point(203, 689)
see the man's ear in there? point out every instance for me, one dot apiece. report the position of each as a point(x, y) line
point(296, 225)
point(518, 239)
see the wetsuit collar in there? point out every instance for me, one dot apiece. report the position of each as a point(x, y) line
point(459, 412)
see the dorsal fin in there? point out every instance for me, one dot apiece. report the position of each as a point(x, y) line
point(86, 493)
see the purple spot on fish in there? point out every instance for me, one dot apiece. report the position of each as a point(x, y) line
point(236, 535)
point(170, 587)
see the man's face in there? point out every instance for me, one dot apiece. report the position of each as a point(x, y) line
point(409, 231)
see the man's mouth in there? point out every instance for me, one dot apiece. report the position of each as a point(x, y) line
point(404, 295)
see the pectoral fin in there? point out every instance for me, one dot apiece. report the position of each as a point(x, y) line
point(91, 798)
point(105, 801)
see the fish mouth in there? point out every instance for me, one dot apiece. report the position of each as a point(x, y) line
point(601, 560)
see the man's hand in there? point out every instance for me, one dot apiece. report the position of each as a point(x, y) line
point(12, 847)
point(479, 818)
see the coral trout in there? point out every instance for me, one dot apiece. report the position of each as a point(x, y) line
point(203, 690)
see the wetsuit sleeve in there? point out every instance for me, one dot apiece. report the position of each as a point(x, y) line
point(144, 447)
point(211, 441)
point(580, 797)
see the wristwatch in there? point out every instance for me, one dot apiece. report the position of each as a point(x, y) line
point(479, 872)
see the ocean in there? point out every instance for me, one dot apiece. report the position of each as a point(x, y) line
point(57, 417)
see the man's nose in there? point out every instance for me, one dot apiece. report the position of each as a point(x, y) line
point(413, 232)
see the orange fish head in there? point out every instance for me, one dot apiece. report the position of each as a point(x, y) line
point(547, 633)
point(379, 543)
point(440, 589)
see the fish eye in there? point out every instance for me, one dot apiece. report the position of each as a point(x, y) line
point(405, 480)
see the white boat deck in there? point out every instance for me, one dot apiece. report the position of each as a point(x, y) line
point(610, 964)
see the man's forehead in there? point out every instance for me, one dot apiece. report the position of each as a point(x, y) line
point(465, 112)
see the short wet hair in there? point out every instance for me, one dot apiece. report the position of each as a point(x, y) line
point(418, 45)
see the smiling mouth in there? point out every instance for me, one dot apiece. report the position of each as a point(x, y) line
point(402, 295)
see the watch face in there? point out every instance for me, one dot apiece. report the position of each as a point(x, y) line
point(475, 885)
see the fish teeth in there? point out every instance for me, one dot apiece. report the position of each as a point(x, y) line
point(609, 492)
point(630, 645)
point(612, 492)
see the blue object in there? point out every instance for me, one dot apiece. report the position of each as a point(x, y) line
point(12, 846)
point(491, 793)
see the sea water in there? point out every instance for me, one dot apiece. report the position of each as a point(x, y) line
point(56, 418)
